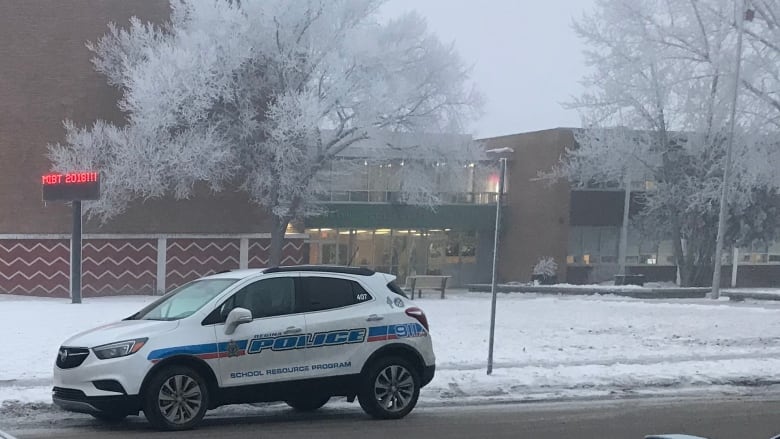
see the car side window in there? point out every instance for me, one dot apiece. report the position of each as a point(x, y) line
point(264, 298)
point(329, 292)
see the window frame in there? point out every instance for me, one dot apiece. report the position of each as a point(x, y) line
point(305, 293)
point(215, 316)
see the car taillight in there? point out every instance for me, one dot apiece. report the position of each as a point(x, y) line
point(419, 315)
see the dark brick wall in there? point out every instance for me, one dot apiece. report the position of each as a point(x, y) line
point(45, 77)
point(536, 218)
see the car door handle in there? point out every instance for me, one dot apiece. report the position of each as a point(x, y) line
point(292, 330)
point(374, 318)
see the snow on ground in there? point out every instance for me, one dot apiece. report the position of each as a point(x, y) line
point(546, 346)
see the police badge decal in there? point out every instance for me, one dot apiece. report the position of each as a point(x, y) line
point(232, 349)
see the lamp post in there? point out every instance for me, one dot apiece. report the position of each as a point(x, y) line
point(724, 190)
point(493, 292)
point(623, 248)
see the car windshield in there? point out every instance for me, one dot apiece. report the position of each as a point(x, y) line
point(184, 301)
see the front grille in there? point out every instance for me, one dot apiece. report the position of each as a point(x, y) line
point(68, 358)
point(70, 394)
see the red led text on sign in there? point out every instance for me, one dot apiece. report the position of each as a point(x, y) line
point(83, 185)
point(70, 178)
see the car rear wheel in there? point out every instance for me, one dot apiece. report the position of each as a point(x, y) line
point(389, 389)
point(176, 399)
point(308, 403)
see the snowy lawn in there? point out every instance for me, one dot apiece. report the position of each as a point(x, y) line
point(546, 346)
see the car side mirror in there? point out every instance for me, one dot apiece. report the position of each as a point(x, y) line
point(238, 316)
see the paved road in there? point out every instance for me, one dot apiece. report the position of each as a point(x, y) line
point(625, 419)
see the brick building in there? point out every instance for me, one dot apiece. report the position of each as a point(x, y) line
point(46, 76)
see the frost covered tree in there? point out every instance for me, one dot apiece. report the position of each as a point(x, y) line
point(762, 57)
point(662, 69)
point(263, 97)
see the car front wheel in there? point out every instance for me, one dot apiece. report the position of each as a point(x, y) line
point(389, 389)
point(176, 399)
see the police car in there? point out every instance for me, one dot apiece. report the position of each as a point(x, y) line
point(295, 334)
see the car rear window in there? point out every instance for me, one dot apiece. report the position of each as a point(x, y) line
point(392, 286)
point(329, 293)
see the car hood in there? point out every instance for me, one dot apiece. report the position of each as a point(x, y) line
point(120, 331)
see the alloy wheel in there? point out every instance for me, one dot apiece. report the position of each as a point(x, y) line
point(394, 388)
point(180, 399)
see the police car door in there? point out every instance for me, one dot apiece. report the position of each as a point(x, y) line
point(337, 308)
point(268, 348)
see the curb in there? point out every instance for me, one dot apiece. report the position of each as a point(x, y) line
point(739, 297)
point(636, 293)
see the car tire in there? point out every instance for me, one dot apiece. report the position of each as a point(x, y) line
point(176, 398)
point(109, 417)
point(308, 404)
point(389, 388)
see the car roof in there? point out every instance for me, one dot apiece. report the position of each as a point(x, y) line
point(359, 271)
point(235, 274)
point(252, 272)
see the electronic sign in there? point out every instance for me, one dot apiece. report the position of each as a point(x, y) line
point(71, 186)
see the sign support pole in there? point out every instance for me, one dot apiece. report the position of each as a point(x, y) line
point(493, 290)
point(73, 187)
point(75, 254)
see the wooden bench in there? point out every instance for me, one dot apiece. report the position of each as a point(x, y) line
point(428, 282)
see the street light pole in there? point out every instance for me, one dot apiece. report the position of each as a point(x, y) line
point(493, 291)
point(623, 248)
point(724, 191)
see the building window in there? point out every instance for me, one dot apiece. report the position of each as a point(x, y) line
point(590, 245)
point(402, 252)
point(593, 245)
point(372, 181)
point(760, 253)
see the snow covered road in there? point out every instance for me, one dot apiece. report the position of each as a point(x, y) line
point(546, 346)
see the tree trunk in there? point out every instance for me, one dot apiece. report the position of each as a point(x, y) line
point(278, 229)
point(680, 253)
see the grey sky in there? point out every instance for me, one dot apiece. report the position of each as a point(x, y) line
point(527, 59)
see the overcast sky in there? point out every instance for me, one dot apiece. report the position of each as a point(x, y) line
point(527, 59)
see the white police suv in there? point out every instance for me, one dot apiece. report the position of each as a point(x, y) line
point(295, 334)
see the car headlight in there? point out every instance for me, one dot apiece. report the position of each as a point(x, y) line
point(119, 349)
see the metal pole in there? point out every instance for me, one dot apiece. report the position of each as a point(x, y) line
point(75, 254)
point(729, 152)
point(493, 291)
point(624, 229)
